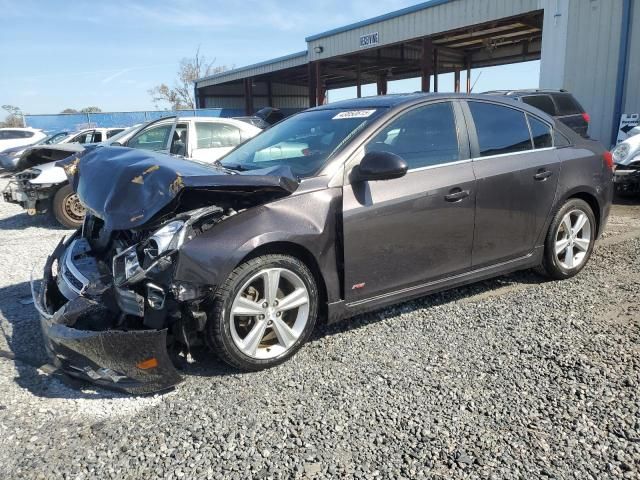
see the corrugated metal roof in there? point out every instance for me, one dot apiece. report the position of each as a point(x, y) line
point(379, 18)
point(266, 63)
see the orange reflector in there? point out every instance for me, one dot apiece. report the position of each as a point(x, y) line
point(147, 364)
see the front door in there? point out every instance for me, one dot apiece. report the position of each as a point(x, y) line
point(517, 170)
point(403, 232)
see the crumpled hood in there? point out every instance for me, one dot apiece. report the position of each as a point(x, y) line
point(41, 154)
point(127, 188)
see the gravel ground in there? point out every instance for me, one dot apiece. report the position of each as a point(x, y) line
point(509, 378)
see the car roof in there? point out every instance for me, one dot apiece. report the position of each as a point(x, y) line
point(405, 99)
point(526, 91)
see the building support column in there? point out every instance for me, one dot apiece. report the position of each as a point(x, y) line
point(312, 84)
point(456, 81)
point(320, 89)
point(468, 62)
point(358, 80)
point(426, 64)
point(382, 84)
point(269, 93)
point(248, 96)
point(435, 70)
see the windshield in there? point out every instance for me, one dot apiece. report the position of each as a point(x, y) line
point(304, 142)
point(121, 134)
point(51, 139)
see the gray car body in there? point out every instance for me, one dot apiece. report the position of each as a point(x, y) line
point(375, 243)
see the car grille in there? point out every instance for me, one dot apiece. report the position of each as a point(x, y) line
point(72, 280)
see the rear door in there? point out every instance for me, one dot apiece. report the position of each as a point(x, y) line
point(517, 176)
point(404, 232)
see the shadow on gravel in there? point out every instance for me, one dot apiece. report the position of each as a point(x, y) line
point(22, 221)
point(27, 350)
point(464, 293)
point(27, 347)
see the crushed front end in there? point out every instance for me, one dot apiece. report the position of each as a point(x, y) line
point(34, 198)
point(110, 310)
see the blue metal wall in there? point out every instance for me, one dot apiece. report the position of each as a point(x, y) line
point(77, 121)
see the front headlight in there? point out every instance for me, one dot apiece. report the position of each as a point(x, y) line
point(621, 152)
point(168, 238)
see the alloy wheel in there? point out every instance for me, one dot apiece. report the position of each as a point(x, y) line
point(269, 313)
point(573, 239)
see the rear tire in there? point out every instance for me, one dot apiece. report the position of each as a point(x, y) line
point(263, 313)
point(67, 208)
point(569, 241)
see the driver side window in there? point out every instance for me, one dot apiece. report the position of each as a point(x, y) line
point(423, 137)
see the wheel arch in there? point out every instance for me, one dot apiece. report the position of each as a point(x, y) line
point(592, 201)
point(301, 253)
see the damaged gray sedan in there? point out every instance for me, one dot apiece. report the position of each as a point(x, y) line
point(335, 211)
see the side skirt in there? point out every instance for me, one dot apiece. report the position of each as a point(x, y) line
point(340, 310)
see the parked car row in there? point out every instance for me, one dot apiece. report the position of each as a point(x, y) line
point(337, 210)
point(42, 187)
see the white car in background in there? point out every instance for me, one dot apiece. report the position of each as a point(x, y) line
point(10, 159)
point(42, 186)
point(200, 138)
point(626, 157)
point(16, 137)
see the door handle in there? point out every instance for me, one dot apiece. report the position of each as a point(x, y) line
point(456, 195)
point(542, 174)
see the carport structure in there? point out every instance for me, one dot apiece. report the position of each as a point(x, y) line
point(298, 81)
point(584, 46)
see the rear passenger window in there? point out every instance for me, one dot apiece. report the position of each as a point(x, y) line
point(541, 133)
point(560, 140)
point(566, 104)
point(543, 102)
point(500, 129)
point(423, 137)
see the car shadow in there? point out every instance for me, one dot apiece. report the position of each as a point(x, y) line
point(21, 333)
point(22, 221)
point(26, 346)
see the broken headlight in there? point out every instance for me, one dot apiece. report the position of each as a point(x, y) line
point(168, 238)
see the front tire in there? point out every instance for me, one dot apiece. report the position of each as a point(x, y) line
point(67, 208)
point(570, 239)
point(263, 313)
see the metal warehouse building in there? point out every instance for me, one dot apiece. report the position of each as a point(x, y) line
point(589, 47)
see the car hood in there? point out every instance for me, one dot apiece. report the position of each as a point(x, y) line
point(129, 188)
point(41, 154)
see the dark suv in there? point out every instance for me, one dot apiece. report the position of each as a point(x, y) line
point(557, 103)
point(334, 211)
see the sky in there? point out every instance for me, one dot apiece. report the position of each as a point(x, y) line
point(57, 54)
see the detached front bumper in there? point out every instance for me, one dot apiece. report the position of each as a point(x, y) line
point(134, 361)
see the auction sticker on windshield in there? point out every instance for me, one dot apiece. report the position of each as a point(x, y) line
point(354, 114)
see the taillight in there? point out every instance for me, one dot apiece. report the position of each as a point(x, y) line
point(607, 158)
point(586, 117)
point(306, 152)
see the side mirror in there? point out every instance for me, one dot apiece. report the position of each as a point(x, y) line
point(116, 144)
point(379, 166)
